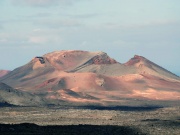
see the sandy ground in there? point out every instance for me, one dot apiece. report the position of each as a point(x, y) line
point(153, 121)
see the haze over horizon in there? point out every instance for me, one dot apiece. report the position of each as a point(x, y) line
point(120, 28)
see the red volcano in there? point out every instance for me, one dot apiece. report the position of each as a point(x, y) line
point(82, 77)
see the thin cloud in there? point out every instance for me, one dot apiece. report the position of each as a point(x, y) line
point(36, 30)
point(81, 16)
point(1, 24)
point(37, 37)
point(3, 40)
point(1, 27)
point(135, 25)
point(34, 2)
point(38, 15)
point(41, 3)
point(58, 23)
point(37, 40)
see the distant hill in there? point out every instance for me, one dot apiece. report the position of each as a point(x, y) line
point(4, 72)
point(10, 97)
point(82, 77)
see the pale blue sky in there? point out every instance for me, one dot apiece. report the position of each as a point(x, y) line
point(121, 28)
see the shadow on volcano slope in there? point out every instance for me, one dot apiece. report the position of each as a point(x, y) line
point(27, 128)
point(5, 104)
point(122, 108)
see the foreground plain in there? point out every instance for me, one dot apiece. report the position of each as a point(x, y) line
point(90, 120)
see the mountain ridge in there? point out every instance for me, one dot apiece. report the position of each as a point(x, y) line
point(80, 77)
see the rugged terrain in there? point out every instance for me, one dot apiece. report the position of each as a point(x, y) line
point(90, 121)
point(13, 97)
point(93, 78)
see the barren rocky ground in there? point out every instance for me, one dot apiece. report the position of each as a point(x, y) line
point(122, 120)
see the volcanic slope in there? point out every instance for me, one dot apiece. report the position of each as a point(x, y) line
point(3, 72)
point(93, 77)
point(10, 96)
